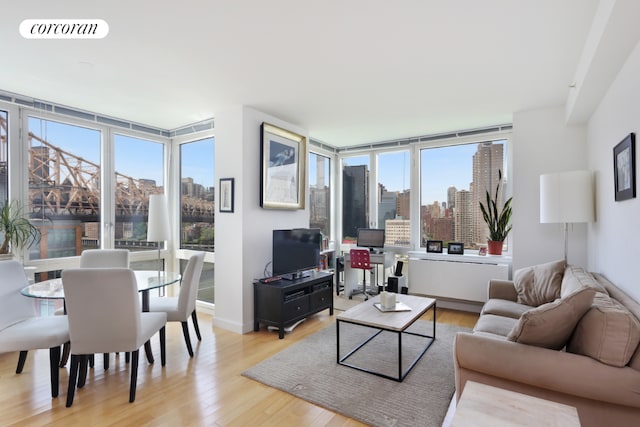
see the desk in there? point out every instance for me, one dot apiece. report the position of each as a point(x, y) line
point(352, 276)
point(146, 280)
point(483, 405)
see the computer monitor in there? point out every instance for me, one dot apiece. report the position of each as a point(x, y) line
point(370, 238)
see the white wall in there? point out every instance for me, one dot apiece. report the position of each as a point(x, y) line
point(615, 236)
point(243, 238)
point(543, 143)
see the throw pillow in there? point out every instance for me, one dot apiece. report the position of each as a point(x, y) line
point(575, 278)
point(539, 284)
point(608, 332)
point(551, 324)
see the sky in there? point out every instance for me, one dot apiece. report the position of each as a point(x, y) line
point(134, 157)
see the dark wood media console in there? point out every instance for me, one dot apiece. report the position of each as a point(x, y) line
point(285, 302)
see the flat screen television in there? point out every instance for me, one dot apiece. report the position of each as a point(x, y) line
point(295, 252)
point(370, 238)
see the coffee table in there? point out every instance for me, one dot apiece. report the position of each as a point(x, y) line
point(366, 314)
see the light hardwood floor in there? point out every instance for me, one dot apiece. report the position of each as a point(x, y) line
point(207, 390)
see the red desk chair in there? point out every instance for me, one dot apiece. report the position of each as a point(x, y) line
point(359, 259)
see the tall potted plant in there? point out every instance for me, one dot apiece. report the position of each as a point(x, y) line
point(16, 230)
point(498, 220)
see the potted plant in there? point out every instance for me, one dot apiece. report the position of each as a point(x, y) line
point(498, 221)
point(16, 230)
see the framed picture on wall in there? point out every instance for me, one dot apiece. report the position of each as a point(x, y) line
point(226, 195)
point(624, 168)
point(283, 168)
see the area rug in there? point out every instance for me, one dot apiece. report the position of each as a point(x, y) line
point(308, 370)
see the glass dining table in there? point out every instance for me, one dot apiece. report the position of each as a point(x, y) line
point(146, 280)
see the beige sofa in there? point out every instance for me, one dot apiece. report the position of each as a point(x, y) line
point(580, 348)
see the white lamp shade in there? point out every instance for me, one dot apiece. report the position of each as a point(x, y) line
point(158, 222)
point(566, 197)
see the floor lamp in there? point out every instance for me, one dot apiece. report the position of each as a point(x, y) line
point(158, 222)
point(566, 197)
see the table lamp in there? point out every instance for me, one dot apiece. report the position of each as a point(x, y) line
point(566, 197)
point(158, 222)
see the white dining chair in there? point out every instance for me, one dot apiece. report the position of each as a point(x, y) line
point(102, 258)
point(180, 308)
point(20, 327)
point(105, 316)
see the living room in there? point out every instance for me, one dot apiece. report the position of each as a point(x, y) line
point(577, 128)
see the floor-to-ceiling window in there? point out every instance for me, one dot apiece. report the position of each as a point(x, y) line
point(355, 196)
point(64, 187)
point(320, 193)
point(139, 172)
point(197, 207)
point(4, 157)
point(393, 196)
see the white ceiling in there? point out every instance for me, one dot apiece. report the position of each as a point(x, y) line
point(348, 71)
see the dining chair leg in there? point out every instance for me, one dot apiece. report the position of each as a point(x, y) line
point(66, 350)
point(163, 346)
point(82, 374)
point(194, 318)
point(105, 362)
point(54, 361)
point(135, 355)
point(73, 377)
point(187, 339)
point(21, 359)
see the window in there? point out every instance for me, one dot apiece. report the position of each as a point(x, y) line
point(64, 187)
point(394, 197)
point(453, 181)
point(319, 193)
point(197, 207)
point(4, 157)
point(197, 192)
point(355, 196)
point(135, 180)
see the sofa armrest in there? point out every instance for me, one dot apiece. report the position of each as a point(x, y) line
point(502, 289)
point(553, 370)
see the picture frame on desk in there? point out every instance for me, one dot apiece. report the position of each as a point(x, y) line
point(434, 246)
point(455, 248)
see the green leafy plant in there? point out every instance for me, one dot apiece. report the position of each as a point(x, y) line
point(498, 221)
point(17, 231)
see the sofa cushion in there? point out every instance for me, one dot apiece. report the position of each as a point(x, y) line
point(501, 307)
point(551, 324)
point(539, 284)
point(608, 332)
point(496, 325)
point(575, 278)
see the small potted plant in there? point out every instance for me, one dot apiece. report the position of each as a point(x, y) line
point(498, 221)
point(16, 230)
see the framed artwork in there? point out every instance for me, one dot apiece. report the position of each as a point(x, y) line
point(283, 168)
point(434, 246)
point(624, 168)
point(226, 195)
point(482, 251)
point(455, 248)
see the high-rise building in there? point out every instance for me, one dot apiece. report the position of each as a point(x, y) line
point(403, 204)
point(451, 196)
point(397, 232)
point(387, 201)
point(355, 198)
point(463, 217)
point(487, 164)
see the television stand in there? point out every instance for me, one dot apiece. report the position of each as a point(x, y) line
point(285, 302)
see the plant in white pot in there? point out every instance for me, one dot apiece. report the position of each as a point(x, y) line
point(17, 232)
point(498, 220)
